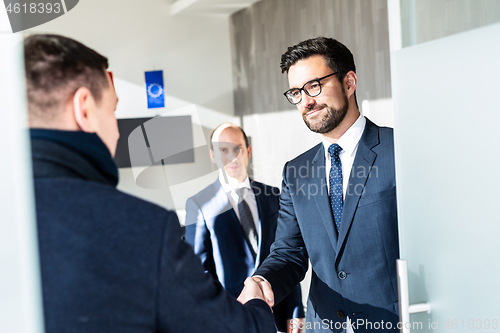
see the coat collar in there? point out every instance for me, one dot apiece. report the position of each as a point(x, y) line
point(72, 154)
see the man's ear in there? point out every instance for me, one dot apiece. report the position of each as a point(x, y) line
point(83, 108)
point(350, 83)
point(249, 148)
point(212, 156)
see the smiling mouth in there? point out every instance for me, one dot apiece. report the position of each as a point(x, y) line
point(313, 112)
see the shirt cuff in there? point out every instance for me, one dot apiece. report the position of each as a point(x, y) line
point(260, 276)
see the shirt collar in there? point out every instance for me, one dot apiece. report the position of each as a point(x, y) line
point(350, 139)
point(233, 183)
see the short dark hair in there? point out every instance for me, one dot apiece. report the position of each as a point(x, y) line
point(247, 144)
point(337, 55)
point(56, 67)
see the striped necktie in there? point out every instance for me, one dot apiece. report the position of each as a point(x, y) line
point(247, 222)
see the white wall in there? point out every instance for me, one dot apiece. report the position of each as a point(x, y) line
point(193, 52)
point(277, 137)
point(380, 111)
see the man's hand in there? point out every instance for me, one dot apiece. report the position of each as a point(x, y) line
point(256, 287)
point(250, 291)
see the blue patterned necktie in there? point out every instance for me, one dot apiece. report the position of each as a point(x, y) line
point(336, 199)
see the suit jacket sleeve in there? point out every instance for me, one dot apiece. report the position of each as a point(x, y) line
point(293, 304)
point(289, 308)
point(287, 263)
point(192, 301)
point(198, 236)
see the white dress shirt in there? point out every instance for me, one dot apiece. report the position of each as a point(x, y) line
point(230, 188)
point(349, 142)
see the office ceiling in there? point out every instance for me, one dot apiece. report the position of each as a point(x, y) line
point(208, 7)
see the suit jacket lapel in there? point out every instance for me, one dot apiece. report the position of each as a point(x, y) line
point(214, 201)
point(318, 178)
point(263, 210)
point(225, 209)
point(361, 168)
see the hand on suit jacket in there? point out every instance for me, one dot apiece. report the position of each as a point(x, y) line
point(264, 288)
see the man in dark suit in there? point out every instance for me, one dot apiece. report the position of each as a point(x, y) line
point(215, 221)
point(338, 201)
point(110, 262)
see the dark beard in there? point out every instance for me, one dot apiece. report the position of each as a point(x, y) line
point(331, 119)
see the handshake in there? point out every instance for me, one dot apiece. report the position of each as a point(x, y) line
point(257, 287)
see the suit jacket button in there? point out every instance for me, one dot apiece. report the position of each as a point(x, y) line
point(340, 314)
point(342, 275)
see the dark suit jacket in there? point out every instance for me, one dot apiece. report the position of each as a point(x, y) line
point(214, 231)
point(111, 262)
point(354, 273)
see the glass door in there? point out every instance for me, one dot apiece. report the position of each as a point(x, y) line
point(20, 291)
point(446, 95)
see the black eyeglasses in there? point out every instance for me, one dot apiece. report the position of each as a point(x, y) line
point(311, 88)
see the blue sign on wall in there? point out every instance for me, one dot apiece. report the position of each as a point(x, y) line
point(155, 89)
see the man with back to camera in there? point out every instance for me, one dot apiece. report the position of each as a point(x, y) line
point(110, 262)
point(231, 224)
point(341, 213)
